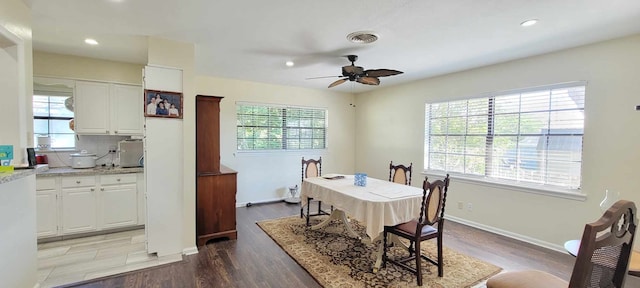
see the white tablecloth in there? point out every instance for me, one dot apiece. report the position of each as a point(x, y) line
point(380, 203)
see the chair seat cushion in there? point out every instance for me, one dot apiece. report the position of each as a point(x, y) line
point(410, 228)
point(526, 279)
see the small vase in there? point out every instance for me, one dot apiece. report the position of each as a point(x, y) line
point(609, 198)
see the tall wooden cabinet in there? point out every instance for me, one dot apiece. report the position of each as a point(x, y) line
point(215, 184)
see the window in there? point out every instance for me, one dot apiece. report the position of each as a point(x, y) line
point(51, 118)
point(269, 127)
point(533, 135)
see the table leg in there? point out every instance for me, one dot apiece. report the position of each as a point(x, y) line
point(337, 215)
point(393, 239)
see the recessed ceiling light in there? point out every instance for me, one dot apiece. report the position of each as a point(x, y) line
point(289, 63)
point(529, 22)
point(91, 41)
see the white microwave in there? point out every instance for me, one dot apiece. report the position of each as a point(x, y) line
point(131, 153)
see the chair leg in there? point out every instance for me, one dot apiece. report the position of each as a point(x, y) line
point(440, 264)
point(319, 207)
point(418, 263)
point(301, 212)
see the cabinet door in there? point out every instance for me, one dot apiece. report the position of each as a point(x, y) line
point(91, 108)
point(78, 210)
point(47, 213)
point(126, 109)
point(118, 206)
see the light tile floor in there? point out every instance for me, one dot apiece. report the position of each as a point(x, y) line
point(73, 260)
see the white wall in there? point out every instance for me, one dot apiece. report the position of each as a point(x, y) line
point(16, 71)
point(265, 176)
point(611, 154)
point(18, 233)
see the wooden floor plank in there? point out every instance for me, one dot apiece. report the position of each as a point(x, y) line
point(254, 260)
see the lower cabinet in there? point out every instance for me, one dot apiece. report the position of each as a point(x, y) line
point(47, 207)
point(79, 204)
point(118, 201)
point(78, 210)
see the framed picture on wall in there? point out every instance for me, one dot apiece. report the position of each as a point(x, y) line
point(162, 104)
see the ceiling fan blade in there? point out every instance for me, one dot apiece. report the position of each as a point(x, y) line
point(369, 80)
point(338, 82)
point(322, 77)
point(381, 72)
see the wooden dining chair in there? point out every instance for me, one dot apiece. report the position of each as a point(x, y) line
point(602, 260)
point(312, 168)
point(428, 225)
point(400, 173)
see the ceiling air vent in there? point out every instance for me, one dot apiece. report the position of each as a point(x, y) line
point(362, 37)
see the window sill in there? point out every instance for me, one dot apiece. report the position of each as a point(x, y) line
point(546, 190)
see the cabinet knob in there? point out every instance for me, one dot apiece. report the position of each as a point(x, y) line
point(107, 131)
point(118, 180)
point(115, 132)
point(77, 181)
point(101, 189)
point(93, 189)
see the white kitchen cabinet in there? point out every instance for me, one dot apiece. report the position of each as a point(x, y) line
point(91, 108)
point(47, 207)
point(126, 109)
point(108, 108)
point(79, 202)
point(118, 201)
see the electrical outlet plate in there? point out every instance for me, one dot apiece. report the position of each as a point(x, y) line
point(469, 206)
point(460, 205)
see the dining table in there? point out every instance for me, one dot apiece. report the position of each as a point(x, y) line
point(377, 204)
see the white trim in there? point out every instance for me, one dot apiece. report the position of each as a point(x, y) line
point(244, 204)
point(509, 234)
point(520, 90)
point(190, 250)
point(37, 285)
point(279, 105)
point(547, 190)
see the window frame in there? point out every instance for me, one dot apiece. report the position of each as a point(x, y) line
point(52, 93)
point(284, 127)
point(509, 184)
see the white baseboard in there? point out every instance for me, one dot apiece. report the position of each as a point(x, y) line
point(190, 250)
point(244, 204)
point(509, 234)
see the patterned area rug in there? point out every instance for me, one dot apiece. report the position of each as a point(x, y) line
point(335, 259)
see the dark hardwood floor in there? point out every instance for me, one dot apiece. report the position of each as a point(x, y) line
point(254, 260)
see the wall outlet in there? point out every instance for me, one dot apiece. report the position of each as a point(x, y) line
point(469, 206)
point(460, 205)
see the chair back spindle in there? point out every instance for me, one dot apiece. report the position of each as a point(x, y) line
point(400, 174)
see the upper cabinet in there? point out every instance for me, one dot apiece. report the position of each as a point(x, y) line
point(108, 108)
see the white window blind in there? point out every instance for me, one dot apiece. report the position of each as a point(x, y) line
point(265, 127)
point(52, 118)
point(532, 136)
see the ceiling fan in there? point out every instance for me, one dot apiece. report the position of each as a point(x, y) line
point(358, 74)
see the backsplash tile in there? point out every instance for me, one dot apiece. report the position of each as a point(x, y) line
point(96, 144)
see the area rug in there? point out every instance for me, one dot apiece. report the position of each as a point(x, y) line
point(335, 259)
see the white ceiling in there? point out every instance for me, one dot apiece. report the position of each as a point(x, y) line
point(252, 39)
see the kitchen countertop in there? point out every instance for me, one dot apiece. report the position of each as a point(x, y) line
point(68, 171)
point(6, 177)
